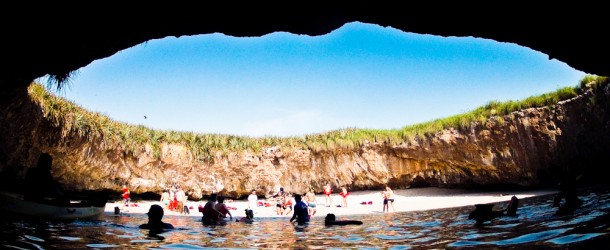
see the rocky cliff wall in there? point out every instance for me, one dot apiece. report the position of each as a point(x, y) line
point(527, 148)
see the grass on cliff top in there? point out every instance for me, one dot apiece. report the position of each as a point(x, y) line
point(73, 120)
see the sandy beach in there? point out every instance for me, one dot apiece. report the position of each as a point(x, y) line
point(415, 199)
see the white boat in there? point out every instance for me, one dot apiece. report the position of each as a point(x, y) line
point(14, 203)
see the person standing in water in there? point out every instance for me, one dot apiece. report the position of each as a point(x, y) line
point(301, 215)
point(222, 208)
point(209, 211)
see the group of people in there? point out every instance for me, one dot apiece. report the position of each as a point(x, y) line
point(175, 199)
point(302, 214)
point(283, 202)
point(215, 210)
point(303, 209)
point(328, 190)
point(566, 201)
point(387, 194)
point(388, 199)
point(302, 206)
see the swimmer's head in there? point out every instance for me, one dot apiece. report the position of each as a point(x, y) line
point(330, 217)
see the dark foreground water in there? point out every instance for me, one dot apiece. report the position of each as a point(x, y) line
point(534, 227)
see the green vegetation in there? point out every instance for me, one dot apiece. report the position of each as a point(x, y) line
point(96, 127)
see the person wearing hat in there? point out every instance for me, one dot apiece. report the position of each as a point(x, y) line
point(155, 214)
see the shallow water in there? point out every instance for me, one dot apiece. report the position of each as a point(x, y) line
point(534, 227)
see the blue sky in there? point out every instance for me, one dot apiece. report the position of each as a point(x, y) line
point(282, 84)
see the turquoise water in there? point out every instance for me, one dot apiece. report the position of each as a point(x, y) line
point(534, 227)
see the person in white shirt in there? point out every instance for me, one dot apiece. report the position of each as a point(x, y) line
point(252, 201)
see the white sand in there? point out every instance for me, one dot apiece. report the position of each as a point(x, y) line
point(405, 200)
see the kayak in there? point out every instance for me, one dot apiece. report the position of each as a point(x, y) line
point(15, 204)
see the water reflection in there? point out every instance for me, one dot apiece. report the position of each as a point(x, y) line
point(534, 226)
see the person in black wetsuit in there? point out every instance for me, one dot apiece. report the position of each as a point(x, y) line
point(485, 212)
point(331, 220)
point(301, 213)
point(567, 191)
point(249, 217)
point(511, 210)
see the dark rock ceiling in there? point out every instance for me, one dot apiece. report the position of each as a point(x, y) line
point(56, 40)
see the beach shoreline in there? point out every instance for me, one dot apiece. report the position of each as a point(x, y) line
point(416, 199)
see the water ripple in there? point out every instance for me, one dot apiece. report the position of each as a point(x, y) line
point(69, 238)
point(392, 237)
point(534, 226)
point(403, 247)
point(571, 238)
point(181, 246)
point(32, 238)
point(102, 245)
point(532, 237)
point(477, 236)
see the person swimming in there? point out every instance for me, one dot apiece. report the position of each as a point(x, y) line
point(572, 202)
point(249, 216)
point(483, 213)
point(155, 224)
point(331, 220)
point(568, 192)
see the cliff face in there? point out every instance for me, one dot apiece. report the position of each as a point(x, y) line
point(528, 148)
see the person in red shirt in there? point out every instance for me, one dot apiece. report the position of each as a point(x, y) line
point(327, 191)
point(288, 204)
point(344, 194)
point(126, 195)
